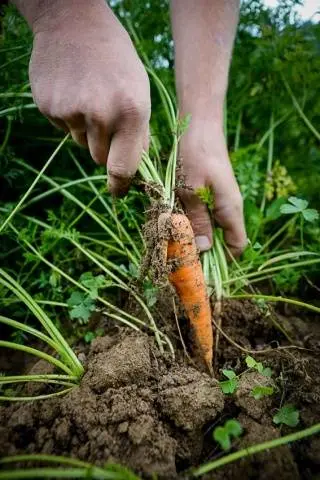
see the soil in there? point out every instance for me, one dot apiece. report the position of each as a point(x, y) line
point(156, 415)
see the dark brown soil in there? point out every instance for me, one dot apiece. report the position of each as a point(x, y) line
point(157, 416)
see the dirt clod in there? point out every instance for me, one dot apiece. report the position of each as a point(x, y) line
point(255, 409)
point(157, 416)
point(121, 410)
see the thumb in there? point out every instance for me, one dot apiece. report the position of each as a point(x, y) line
point(199, 217)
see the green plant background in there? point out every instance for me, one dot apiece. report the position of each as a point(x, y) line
point(272, 109)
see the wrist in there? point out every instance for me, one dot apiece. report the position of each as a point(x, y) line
point(203, 110)
point(52, 15)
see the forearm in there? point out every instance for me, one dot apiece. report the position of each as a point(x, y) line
point(50, 14)
point(203, 32)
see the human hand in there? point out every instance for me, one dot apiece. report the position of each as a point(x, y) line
point(87, 78)
point(205, 163)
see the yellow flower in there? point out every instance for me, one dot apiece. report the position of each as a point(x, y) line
point(279, 183)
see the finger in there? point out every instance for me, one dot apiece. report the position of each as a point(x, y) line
point(77, 128)
point(124, 156)
point(98, 143)
point(80, 137)
point(230, 219)
point(199, 217)
point(60, 124)
point(146, 140)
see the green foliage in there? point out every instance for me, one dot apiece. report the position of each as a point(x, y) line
point(247, 166)
point(223, 435)
point(279, 184)
point(183, 125)
point(89, 336)
point(287, 280)
point(259, 392)
point(229, 386)
point(150, 293)
point(81, 306)
point(206, 195)
point(297, 205)
point(252, 363)
point(287, 415)
point(272, 47)
point(93, 283)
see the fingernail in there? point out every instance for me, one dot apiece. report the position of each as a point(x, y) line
point(203, 242)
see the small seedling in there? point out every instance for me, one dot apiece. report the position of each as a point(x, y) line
point(287, 415)
point(223, 435)
point(229, 386)
point(259, 392)
point(252, 363)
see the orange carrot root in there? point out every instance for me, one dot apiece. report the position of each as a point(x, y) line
point(186, 276)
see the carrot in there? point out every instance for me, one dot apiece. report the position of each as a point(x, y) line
point(186, 276)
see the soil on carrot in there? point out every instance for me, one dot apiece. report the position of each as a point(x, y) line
point(156, 415)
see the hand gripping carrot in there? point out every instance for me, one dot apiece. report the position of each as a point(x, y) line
point(186, 276)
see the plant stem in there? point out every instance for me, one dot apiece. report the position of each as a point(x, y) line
point(89, 211)
point(300, 111)
point(17, 207)
point(238, 132)
point(26, 328)
point(301, 230)
point(106, 206)
point(277, 442)
point(36, 378)
point(37, 353)
point(38, 397)
point(7, 136)
point(271, 298)
point(248, 276)
point(270, 160)
point(101, 473)
point(62, 345)
point(5, 112)
point(276, 235)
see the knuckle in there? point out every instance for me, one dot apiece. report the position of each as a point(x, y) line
point(98, 117)
point(135, 109)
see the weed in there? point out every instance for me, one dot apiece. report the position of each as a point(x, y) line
point(299, 207)
point(259, 392)
point(287, 415)
point(223, 435)
point(252, 363)
point(81, 306)
point(229, 386)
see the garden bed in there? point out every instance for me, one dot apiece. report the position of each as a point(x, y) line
point(156, 415)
